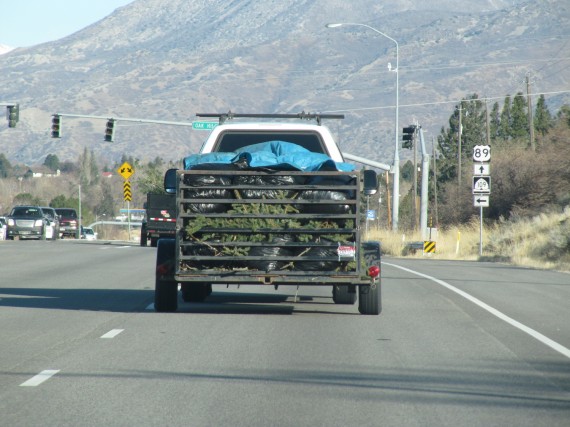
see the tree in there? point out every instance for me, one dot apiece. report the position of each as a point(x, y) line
point(505, 124)
point(495, 122)
point(5, 167)
point(52, 162)
point(519, 118)
point(542, 117)
point(473, 132)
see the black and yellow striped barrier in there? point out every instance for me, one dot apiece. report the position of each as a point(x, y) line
point(429, 247)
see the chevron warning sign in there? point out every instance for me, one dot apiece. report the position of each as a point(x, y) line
point(429, 247)
point(127, 194)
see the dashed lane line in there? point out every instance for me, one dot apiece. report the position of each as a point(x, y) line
point(40, 378)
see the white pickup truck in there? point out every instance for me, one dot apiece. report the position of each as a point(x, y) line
point(269, 203)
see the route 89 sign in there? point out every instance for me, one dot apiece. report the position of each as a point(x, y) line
point(482, 153)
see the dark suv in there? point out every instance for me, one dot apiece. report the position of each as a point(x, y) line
point(68, 222)
point(27, 222)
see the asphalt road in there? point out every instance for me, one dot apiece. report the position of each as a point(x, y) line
point(457, 344)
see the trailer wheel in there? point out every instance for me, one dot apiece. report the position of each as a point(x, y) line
point(195, 292)
point(369, 299)
point(165, 290)
point(344, 294)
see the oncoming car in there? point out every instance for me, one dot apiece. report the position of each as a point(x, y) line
point(28, 222)
point(87, 233)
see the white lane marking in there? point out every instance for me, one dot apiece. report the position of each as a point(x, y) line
point(112, 333)
point(535, 334)
point(40, 378)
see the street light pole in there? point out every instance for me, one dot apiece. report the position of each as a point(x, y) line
point(396, 165)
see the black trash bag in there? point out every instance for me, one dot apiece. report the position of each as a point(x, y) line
point(320, 252)
point(320, 195)
point(203, 249)
point(264, 181)
point(202, 193)
point(268, 252)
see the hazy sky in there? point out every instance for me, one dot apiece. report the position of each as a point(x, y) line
point(30, 22)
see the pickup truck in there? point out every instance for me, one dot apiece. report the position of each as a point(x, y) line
point(269, 204)
point(160, 218)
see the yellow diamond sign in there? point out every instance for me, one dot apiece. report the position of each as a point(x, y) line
point(126, 170)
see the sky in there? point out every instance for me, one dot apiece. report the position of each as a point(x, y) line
point(29, 22)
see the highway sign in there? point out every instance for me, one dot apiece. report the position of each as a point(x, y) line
point(481, 184)
point(127, 194)
point(204, 125)
point(481, 200)
point(126, 170)
point(481, 169)
point(482, 153)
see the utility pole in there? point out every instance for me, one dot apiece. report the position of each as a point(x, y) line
point(435, 182)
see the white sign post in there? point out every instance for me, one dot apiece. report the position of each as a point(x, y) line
point(481, 184)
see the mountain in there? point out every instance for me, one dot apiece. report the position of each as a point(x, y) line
point(166, 60)
point(5, 49)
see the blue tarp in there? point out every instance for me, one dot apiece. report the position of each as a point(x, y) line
point(279, 155)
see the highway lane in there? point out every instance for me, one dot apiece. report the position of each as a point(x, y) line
point(257, 357)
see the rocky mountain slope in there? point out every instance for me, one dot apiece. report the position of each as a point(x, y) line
point(169, 59)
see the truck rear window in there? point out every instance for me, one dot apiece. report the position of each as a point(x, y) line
point(228, 142)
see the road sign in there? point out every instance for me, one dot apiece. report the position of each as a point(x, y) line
point(371, 214)
point(127, 195)
point(204, 125)
point(126, 170)
point(481, 169)
point(429, 247)
point(481, 200)
point(482, 153)
point(481, 184)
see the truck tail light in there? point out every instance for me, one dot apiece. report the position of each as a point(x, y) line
point(374, 271)
point(162, 269)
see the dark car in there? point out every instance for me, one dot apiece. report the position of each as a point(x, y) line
point(68, 222)
point(51, 214)
point(27, 222)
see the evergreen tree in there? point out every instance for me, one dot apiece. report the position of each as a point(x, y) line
point(52, 162)
point(5, 167)
point(495, 121)
point(519, 118)
point(473, 132)
point(542, 117)
point(505, 124)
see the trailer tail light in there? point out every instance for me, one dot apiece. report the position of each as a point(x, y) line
point(162, 269)
point(374, 271)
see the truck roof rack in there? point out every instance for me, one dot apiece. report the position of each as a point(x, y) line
point(223, 117)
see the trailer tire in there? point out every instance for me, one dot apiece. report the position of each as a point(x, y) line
point(343, 294)
point(369, 299)
point(166, 289)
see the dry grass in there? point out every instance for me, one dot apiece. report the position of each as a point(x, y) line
point(539, 242)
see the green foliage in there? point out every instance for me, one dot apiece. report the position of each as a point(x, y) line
point(27, 199)
point(5, 167)
point(63, 202)
point(542, 117)
point(52, 162)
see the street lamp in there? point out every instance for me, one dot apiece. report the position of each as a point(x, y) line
point(396, 166)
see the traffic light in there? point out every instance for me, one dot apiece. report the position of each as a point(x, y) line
point(13, 114)
point(408, 137)
point(56, 126)
point(110, 131)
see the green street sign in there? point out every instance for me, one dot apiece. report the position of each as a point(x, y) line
point(204, 125)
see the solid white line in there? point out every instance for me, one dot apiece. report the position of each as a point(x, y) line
point(112, 333)
point(40, 378)
point(535, 334)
